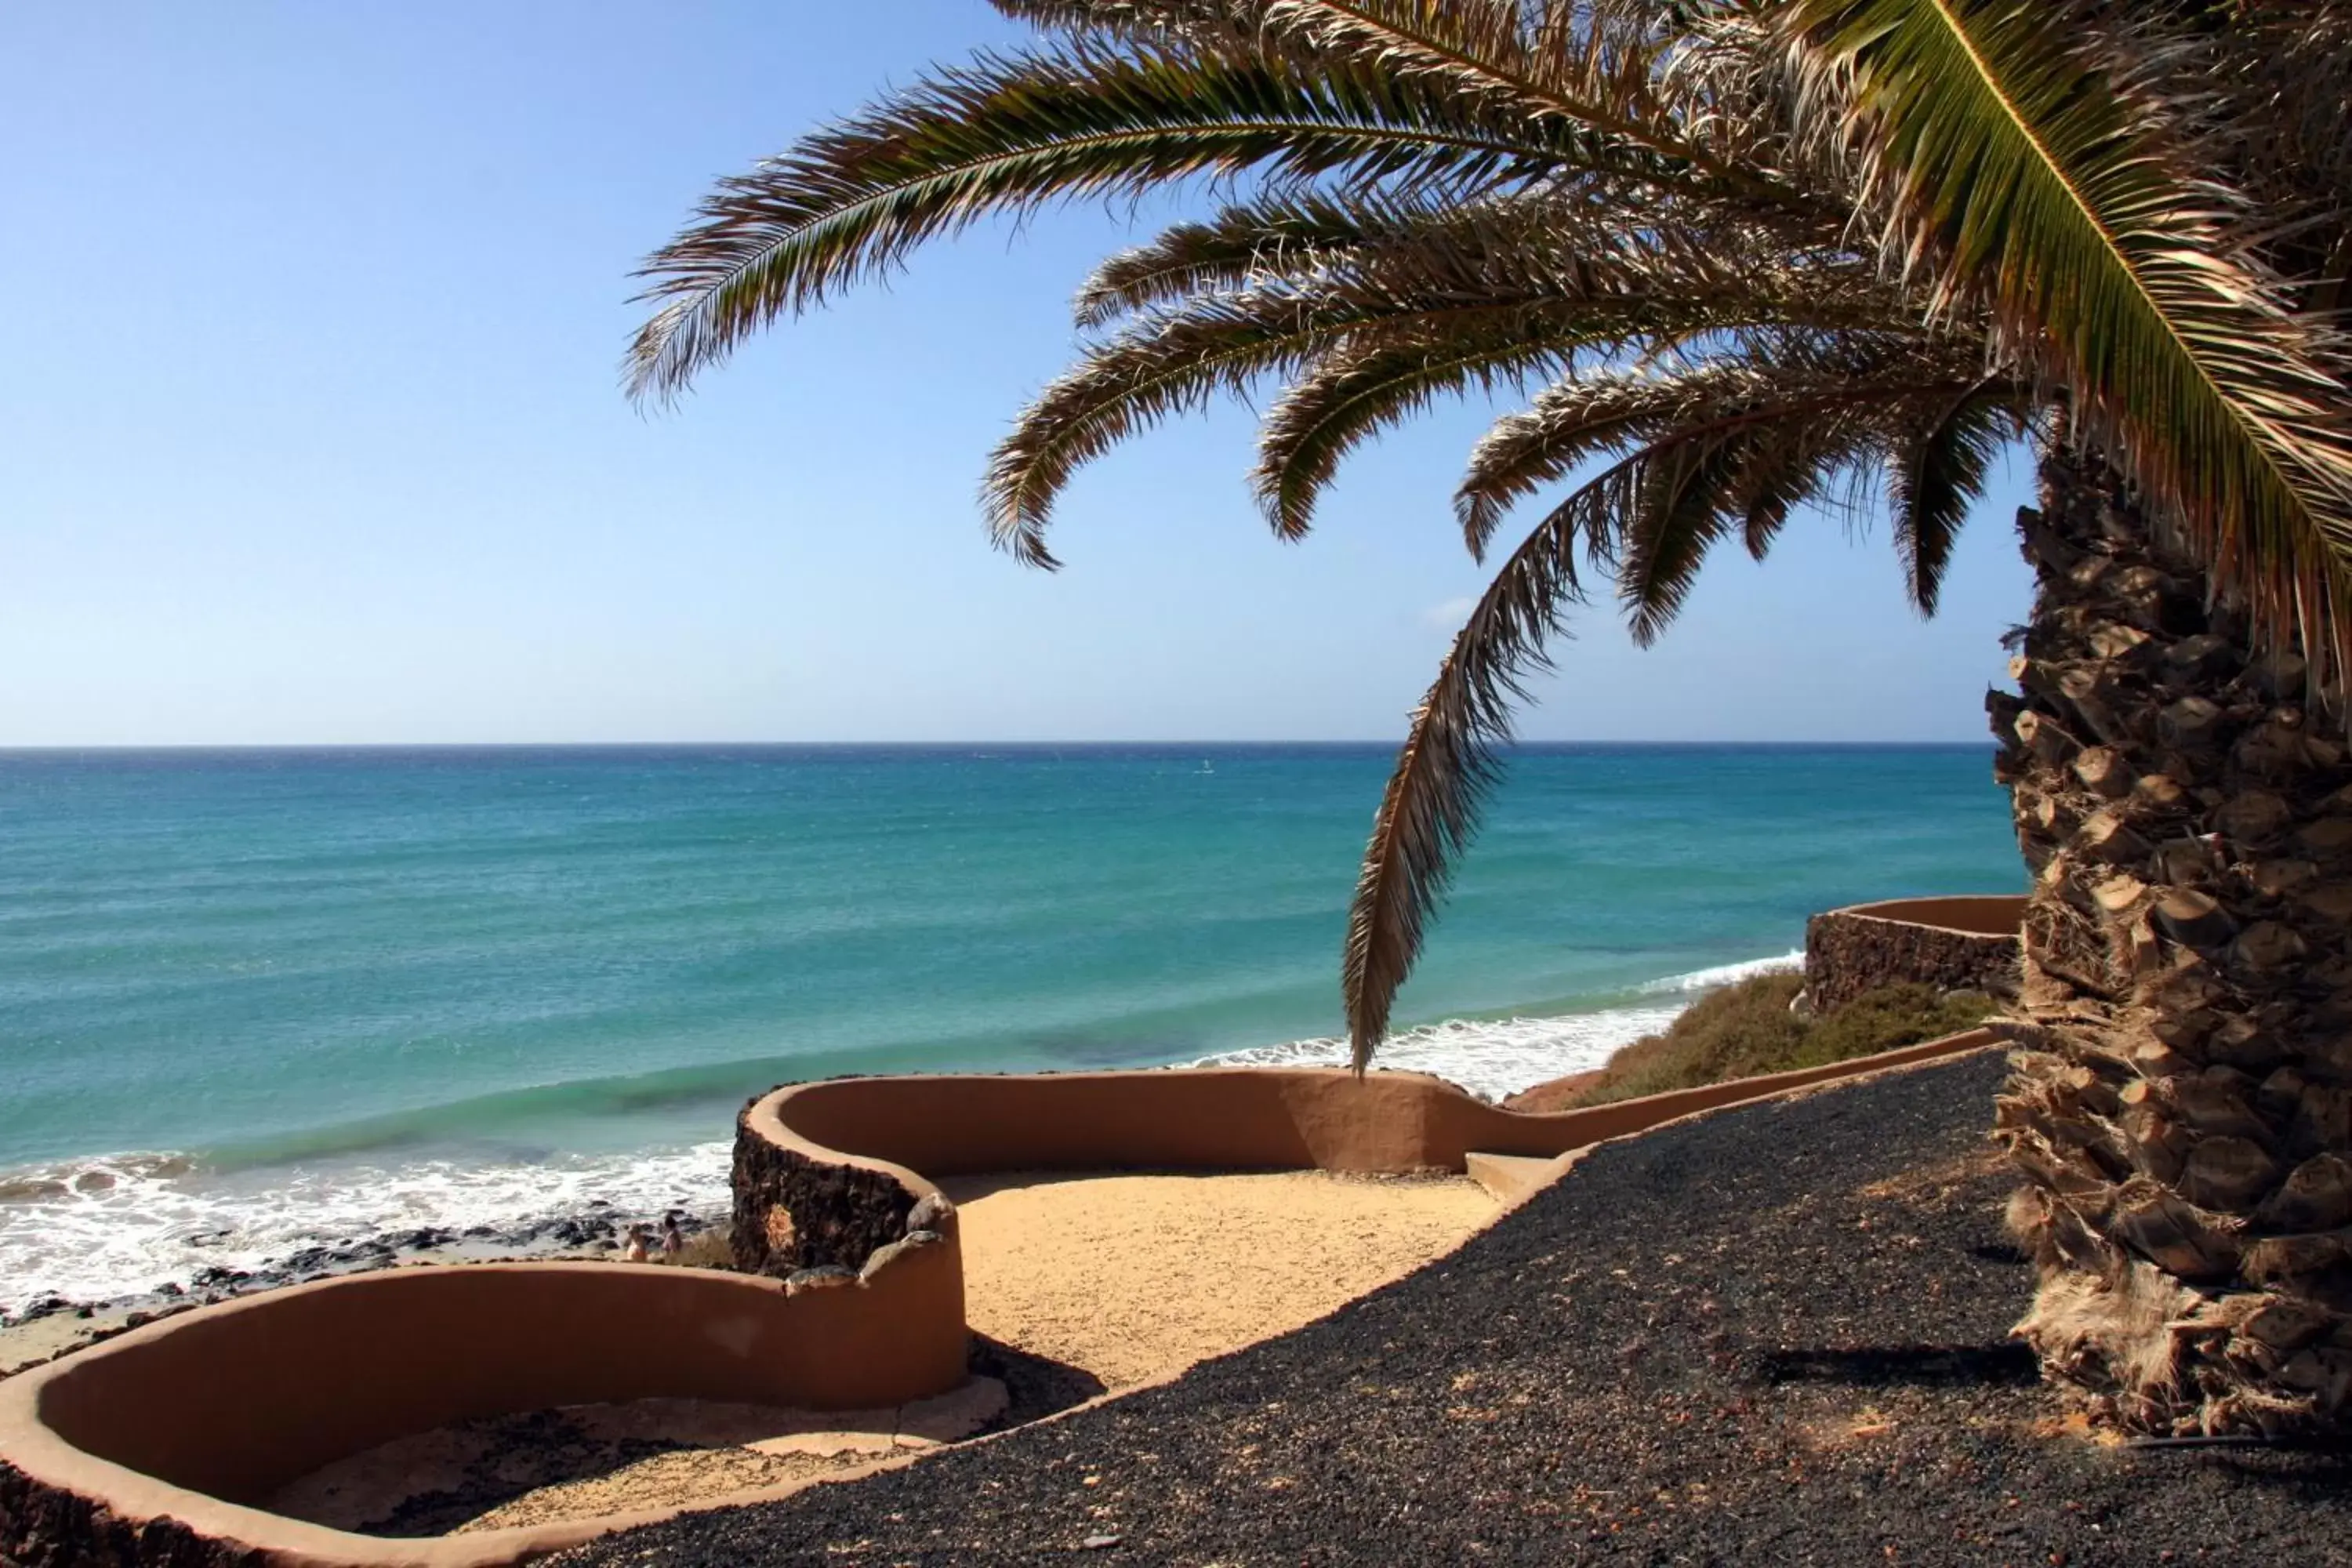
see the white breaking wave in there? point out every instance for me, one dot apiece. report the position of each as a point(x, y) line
point(1490, 1058)
point(94, 1230)
point(1724, 975)
point(1496, 1058)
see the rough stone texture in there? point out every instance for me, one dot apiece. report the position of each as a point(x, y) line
point(1847, 953)
point(839, 1213)
point(44, 1528)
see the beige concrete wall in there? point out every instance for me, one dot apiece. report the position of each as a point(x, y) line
point(222, 1405)
point(1224, 1118)
point(180, 1420)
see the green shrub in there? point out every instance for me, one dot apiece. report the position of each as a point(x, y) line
point(1745, 1030)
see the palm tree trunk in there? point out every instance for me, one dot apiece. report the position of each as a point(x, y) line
point(2182, 1103)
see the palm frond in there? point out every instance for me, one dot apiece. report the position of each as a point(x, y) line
point(1413, 314)
point(1731, 449)
point(1175, 361)
point(1679, 513)
point(1009, 133)
point(1938, 473)
point(1347, 397)
point(1448, 765)
point(2053, 187)
point(1598, 64)
point(1165, 366)
point(1580, 419)
point(1242, 246)
point(1451, 758)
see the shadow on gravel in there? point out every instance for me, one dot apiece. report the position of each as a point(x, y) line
point(1874, 1366)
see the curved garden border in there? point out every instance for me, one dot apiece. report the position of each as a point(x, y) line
point(151, 1449)
point(826, 1174)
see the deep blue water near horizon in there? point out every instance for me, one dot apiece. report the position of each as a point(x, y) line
point(255, 991)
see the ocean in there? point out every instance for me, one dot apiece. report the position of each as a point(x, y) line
point(252, 1000)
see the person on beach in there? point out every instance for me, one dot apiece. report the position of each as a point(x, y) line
point(673, 1239)
point(635, 1251)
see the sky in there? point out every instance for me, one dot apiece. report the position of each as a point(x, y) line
point(312, 434)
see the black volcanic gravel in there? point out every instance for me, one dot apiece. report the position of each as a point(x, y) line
point(1776, 1335)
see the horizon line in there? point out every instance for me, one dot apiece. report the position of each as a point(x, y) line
point(44, 747)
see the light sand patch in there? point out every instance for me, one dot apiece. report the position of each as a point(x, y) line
point(587, 1461)
point(1132, 1276)
point(30, 1344)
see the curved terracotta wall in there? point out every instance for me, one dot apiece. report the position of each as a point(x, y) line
point(1956, 944)
point(196, 1416)
point(1172, 1119)
point(150, 1449)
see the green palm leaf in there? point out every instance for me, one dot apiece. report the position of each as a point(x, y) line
point(2056, 188)
point(1702, 454)
point(1580, 419)
point(1241, 247)
point(1174, 361)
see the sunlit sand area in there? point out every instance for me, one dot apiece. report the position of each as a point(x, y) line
point(1117, 1278)
point(1133, 1276)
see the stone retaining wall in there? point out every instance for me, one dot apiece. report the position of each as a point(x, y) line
point(44, 1527)
point(793, 1212)
point(1955, 944)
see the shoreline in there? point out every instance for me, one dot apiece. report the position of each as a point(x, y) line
point(167, 1211)
point(52, 1326)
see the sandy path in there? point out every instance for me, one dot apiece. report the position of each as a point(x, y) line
point(1133, 1275)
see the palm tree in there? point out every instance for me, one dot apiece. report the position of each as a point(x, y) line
point(1745, 256)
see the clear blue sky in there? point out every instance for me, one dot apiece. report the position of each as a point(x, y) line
point(311, 433)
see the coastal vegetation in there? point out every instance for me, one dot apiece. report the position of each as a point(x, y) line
point(1741, 258)
point(1754, 1027)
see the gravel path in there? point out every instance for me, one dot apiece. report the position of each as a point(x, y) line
point(1776, 1335)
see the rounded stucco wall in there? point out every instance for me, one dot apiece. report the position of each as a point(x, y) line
point(811, 1152)
point(1967, 943)
point(197, 1417)
point(138, 1451)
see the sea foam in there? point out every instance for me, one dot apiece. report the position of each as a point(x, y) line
point(98, 1229)
point(1724, 975)
point(1498, 1057)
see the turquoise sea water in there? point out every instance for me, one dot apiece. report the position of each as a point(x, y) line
point(251, 998)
